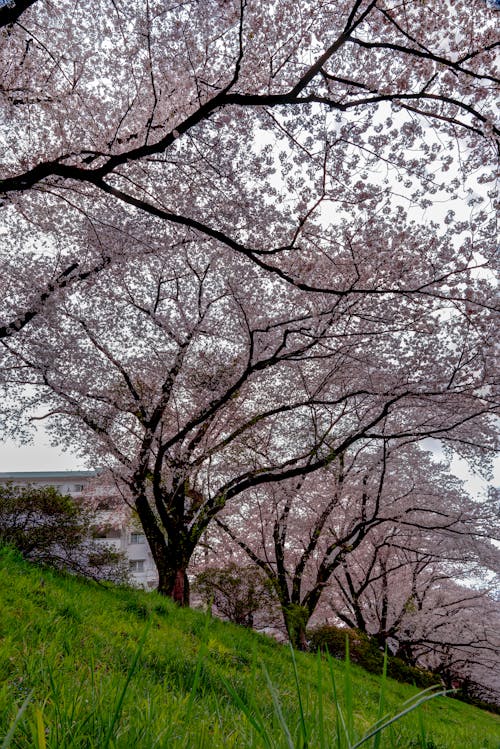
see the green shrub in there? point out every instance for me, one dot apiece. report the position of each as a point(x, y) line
point(54, 530)
point(236, 591)
point(401, 671)
point(365, 651)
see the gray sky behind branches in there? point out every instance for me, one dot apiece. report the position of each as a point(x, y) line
point(42, 456)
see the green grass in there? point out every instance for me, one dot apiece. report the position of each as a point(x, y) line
point(86, 667)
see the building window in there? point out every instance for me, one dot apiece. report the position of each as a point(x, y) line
point(137, 538)
point(136, 565)
point(77, 488)
point(114, 533)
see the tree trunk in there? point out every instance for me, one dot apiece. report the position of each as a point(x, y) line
point(173, 582)
point(180, 592)
point(296, 619)
point(171, 555)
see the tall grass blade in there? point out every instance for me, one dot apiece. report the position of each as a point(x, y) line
point(340, 720)
point(381, 703)
point(423, 736)
point(349, 704)
point(303, 725)
point(277, 709)
point(253, 716)
point(416, 702)
point(55, 702)
point(10, 733)
point(119, 703)
point(321, 715)
point(41, 743)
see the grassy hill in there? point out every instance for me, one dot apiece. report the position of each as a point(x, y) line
point(87, 666)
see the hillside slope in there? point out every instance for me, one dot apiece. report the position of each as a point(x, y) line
point(75, 648)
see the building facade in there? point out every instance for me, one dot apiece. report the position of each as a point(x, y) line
point(117, 532)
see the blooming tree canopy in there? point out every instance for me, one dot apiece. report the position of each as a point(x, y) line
point(413, 593)
point(278, 133)
point(238, 241)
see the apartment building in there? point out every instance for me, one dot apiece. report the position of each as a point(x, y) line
point(121, 535)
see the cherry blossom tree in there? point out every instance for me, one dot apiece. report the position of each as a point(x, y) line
point(454, 631)
point(389, 578)
point(198, 380)
point(226, 259)
point(413, 594)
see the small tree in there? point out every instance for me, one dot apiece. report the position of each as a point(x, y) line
point(237, 592)
point(50, 528)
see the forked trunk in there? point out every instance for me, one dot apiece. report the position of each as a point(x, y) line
point(171, 554)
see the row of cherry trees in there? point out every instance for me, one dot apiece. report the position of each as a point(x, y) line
point(384, 541)
point(243, 246)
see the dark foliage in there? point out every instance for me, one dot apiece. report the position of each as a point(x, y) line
point(52, 529)
point(365, 651)
point(236, 592)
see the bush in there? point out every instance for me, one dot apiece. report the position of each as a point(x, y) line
point(237, 592)
point(50, 528)
point(365, 651)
